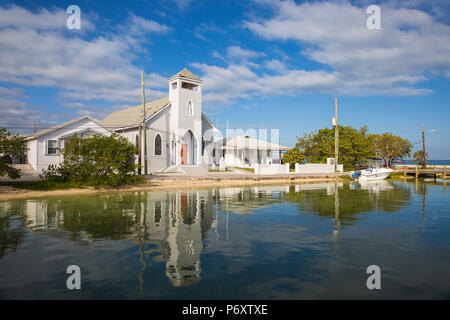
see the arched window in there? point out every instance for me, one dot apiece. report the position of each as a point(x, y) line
point(190, 108)
point(158, 145)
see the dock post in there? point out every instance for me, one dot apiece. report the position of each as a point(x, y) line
point(404, 173)
point(417, 171)
point(445, 173)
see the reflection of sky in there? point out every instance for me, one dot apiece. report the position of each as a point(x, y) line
point(272, 251)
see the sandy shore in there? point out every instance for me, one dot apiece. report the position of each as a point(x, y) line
point(9, 193)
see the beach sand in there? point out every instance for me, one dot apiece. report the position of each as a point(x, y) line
point(8, 192)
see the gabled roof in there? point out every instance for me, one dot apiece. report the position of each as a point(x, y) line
point(246, 142)
point(82, 133)
point(62, 125)
point(185, 73)
point(133, 116)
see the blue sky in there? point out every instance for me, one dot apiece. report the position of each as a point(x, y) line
point(265, 64)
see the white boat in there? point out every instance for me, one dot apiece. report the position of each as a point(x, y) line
point(374, 172)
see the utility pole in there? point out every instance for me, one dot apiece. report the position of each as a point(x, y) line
point(423, 143)
point(143, 124)
point(34, 126)
point(336, 136)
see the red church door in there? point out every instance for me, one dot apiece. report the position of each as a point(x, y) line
point(184, 153)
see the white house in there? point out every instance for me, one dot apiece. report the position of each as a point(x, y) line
point(43, 146)
point(178, 134)
point(245, 151)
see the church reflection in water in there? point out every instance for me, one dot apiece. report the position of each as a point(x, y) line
point(176, 223)
point(171, 227)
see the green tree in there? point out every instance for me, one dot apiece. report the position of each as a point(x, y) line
point(96, 160)
point(418, 157)
point(293, 156)
point(11, 146)
point(390, 147)
point(354, 146)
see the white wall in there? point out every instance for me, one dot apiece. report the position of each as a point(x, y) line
point(158, 124)
point(32, 155)
point(206, 158)
point(38, 145)
point(271, 168)
point(317, 168)
point(130, 135)
point(180, 120)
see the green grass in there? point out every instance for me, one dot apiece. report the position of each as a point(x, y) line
point(246, 169)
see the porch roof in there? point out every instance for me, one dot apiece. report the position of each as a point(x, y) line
point(246, 142)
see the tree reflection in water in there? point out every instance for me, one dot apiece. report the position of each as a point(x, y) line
point(345, 201)
point(170, 227)
point(12, 232)
point(173, 223)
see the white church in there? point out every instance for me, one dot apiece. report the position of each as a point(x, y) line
point(179, 137)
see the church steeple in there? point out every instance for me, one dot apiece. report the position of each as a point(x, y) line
point(185, 96)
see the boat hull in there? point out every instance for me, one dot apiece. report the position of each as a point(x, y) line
point(376, 174)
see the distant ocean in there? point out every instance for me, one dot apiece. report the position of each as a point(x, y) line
point(432, 162)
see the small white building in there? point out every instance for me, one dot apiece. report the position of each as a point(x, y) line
point(44, 146)
point(178, 134)
point(245, 151)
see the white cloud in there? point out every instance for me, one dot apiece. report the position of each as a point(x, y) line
point(21, 18)
point(18, 115)
point(14, 92)
point(236, 52)
point(410, 48)
point(138, 25)
point(37, 50)
point(207, 28)
point(275, 65)
point(227, 84)
point(182, 4)
point(42, 19)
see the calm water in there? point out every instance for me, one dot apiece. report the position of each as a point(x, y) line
point(309, 241)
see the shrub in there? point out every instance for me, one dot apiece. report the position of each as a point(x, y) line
point(11, 146)
point(293, 156)
point(95, 161)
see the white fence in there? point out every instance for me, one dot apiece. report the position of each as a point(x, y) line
point(271, 168)
point(317, 168)
point(308, 168)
